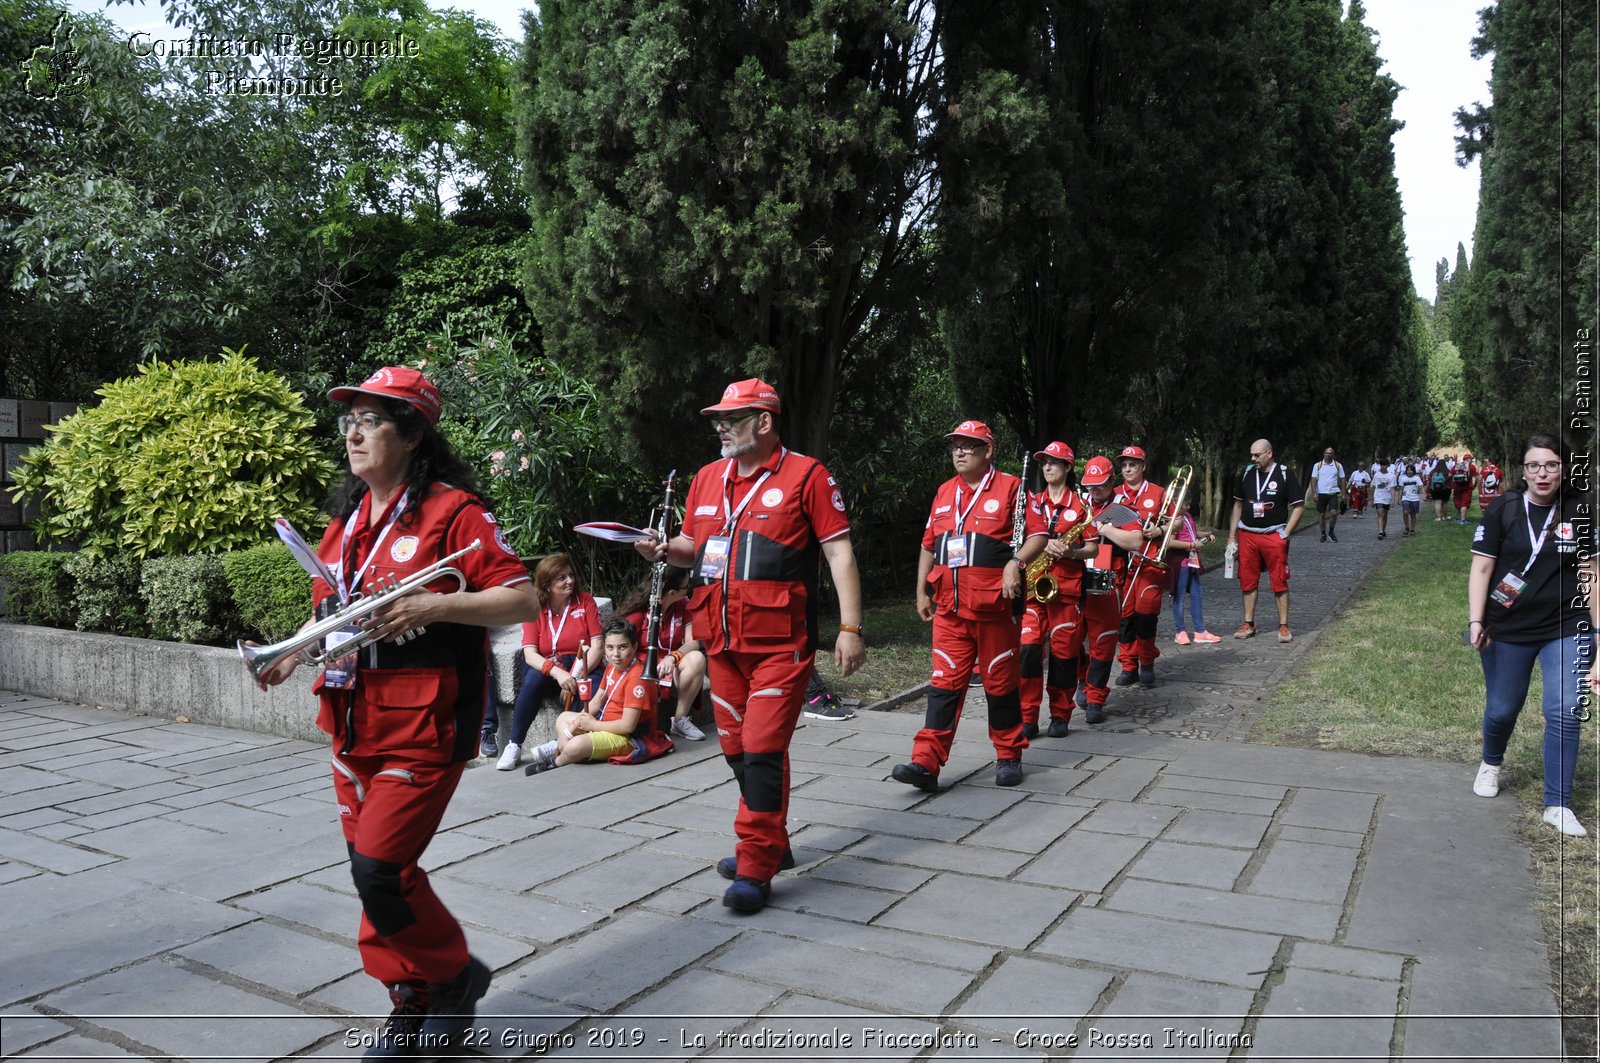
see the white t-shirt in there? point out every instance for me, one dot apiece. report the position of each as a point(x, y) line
point(1328, 477)
point(1411, 489)
point(1360, 478)
point(1383, 488)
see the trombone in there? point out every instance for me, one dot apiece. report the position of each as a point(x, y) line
point(263, 659)
point(1173, 505)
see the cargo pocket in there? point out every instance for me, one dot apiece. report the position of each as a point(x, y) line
point(406, 708)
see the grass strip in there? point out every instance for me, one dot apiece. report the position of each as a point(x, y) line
point(1390, 676)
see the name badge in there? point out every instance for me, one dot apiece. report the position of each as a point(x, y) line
point(340, 672)
point(955, 551)
point(1506, 591)
point(714, 559)
point(1259, 509)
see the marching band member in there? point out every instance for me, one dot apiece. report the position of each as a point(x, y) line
point(1141, 598)
point(968, 562)
point(1052, 632)
point(1107, 547)
point(404, 713)
point(756, 524)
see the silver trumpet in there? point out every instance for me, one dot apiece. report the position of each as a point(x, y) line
point(305, 642)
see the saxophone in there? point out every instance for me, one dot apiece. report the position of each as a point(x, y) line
point(1044, 588)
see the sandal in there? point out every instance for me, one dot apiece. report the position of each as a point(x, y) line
point(1247, 630)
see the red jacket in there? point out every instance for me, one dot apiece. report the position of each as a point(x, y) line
point(977, 525)
point(425, 697)
point(770, 525)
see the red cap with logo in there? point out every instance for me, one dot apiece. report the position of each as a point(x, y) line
point(1466, 457)
point(1097, 472)
point(1134, 453)
point(972, 430)
point(752, 394)
point(396, 382)
point(1056, 451)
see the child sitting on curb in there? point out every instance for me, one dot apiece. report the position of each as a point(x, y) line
point(619, 723)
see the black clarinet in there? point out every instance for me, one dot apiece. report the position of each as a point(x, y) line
point(658, 575)
point(1019, 532)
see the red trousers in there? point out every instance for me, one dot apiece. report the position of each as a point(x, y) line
point(1100, 622)
point(389, 808)
point(757, 699)
point(1052, 635)
point(991, 645)
point(1141, 613)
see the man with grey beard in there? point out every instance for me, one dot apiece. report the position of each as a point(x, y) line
point(754, 527)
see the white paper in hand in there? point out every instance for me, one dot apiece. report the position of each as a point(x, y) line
point(314, 565)
point(613, 532)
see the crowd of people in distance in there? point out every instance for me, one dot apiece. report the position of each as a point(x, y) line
point(1450, 483)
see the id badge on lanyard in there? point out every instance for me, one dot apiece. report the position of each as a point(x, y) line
point(714, 558)
point(955, 551)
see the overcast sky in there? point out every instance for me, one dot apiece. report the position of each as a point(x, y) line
point(1424, 43)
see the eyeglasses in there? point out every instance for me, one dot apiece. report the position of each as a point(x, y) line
point(1531, 467)
point(965, 446)
point(367, 422)
point(728, 424)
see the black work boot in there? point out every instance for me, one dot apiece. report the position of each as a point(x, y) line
point(399, 1038)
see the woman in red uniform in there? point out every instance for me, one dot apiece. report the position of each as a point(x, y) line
point(566, 629)
point(404, 713)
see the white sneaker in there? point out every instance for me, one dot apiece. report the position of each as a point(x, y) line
point(510, 757)
point(1562, 819)
point(685, 728)
point(1487, 784)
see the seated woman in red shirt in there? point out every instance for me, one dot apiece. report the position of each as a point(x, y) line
point(568, 626)
point(681, 661)
point(619, 724)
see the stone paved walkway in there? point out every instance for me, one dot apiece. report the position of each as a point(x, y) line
point(170, 891)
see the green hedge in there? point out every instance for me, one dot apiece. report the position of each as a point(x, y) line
point(38, 588)
point(260, 593)
point(270, 589)
point(188, 599)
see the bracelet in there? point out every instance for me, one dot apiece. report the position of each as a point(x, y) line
point(853, 629)
point(547, 667)
point(1471, 622)
point(677, 656)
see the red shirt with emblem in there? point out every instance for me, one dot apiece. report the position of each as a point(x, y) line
point(971, 527)
point(1146, 501)
point(1111, 556)
point(762, 598)
point(1055, 519)
point(624, 689)
point(559, 632)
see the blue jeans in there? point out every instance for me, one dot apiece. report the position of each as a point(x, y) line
point(1189, 583)
point(1563, 668)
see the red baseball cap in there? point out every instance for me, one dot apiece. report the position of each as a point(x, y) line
point(1466, 457)
point(396, 382)
point(1097, 472)
point(752, 394)
point(972, 430)
point(1056, 451)
point(1136, 453)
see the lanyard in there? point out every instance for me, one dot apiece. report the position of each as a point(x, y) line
point(1133, 499)
point(961, 517)
point(730, 519)
point(1053, 511)
point(1538, 542)
point(395, 509)
point(1270, 471)
point(615, 675)
point(555, 632)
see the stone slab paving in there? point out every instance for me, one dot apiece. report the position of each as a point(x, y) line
point(1149, 892)
point(1107, 911)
